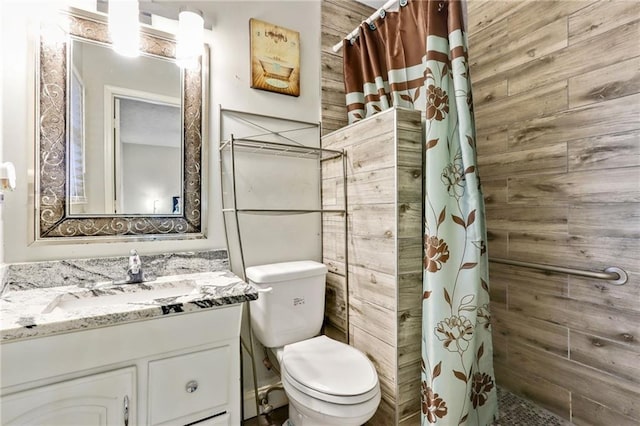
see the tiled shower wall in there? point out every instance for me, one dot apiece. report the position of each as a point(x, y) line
point(556, 92)
point(384, 312)
point(339, 18)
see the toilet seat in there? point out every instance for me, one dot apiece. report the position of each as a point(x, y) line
point(334, 399)
point(328, 413)
point(330, 371)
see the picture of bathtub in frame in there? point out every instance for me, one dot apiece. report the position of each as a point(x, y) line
point(275, 58)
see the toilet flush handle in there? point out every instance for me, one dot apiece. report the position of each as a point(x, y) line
point(265, 290)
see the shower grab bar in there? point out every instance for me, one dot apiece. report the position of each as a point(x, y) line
point(615, 275)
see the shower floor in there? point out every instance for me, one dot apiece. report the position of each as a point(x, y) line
point(516, 411)
point(513, 410)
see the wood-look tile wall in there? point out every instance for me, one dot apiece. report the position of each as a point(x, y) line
point(339, 18)
point(556, 92)
point(384, 186)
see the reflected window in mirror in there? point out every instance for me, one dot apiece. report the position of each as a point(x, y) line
point(77, 195)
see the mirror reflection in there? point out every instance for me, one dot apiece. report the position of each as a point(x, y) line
point(125, 138)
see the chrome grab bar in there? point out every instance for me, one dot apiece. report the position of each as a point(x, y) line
point(615, 275)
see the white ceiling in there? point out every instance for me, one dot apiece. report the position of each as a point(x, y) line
point(170, 8)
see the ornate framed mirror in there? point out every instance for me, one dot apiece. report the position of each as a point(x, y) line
point(106, 166)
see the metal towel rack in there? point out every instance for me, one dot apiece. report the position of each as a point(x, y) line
point(615, 275)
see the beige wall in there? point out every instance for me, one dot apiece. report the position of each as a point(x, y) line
point(2, 42)
point(229, 87)
point(558, 116)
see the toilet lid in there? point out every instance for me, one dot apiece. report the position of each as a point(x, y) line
point(329, 367)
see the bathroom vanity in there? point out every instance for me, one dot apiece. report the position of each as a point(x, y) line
point(164, 352)
point(76, 349)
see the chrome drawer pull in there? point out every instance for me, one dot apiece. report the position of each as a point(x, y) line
point(192, 386)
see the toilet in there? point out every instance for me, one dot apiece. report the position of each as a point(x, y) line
point(327, 382)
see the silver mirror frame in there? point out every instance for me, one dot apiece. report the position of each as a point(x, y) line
point(52, 222)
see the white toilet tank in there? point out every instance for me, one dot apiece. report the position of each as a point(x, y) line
point(294, 308)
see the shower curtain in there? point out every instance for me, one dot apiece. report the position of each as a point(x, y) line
point(417, 58)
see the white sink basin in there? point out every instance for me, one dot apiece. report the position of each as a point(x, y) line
point(145, 293)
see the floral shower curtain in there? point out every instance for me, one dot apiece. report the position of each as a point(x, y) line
point(417, 58)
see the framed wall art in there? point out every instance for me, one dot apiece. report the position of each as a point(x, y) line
point(275, 58)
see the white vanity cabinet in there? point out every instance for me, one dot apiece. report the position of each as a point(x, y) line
point(173, 370)
point(96, 400)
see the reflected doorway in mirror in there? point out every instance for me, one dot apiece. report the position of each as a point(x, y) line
point(147, 158)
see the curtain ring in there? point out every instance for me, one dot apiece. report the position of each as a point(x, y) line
point(372, 26)
point(383, 13)
point(352, 40)
point(403, 3)
point(441, 6)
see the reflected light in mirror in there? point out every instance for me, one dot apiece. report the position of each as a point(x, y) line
point(124, 27)
point(190, 39)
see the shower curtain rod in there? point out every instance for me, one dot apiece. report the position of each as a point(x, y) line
point(370, 19)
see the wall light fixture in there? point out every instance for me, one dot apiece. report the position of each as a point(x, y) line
point(190, 39)
point(124, 26)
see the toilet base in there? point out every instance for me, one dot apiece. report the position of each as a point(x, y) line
point(297, 417)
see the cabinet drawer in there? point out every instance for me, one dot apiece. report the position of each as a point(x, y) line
point(190, 384)
point(222, 420)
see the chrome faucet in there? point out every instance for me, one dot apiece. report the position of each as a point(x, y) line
point(134, 271)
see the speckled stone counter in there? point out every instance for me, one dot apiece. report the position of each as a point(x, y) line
point(24, 276)
point(32, 307)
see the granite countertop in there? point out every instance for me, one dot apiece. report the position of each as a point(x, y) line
point(28, 311)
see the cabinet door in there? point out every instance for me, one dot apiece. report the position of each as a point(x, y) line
point(96, 400)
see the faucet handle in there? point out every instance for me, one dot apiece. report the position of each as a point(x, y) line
point(135, 265)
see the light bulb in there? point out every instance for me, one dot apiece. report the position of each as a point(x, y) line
point(190, 40)
point(124, 27)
